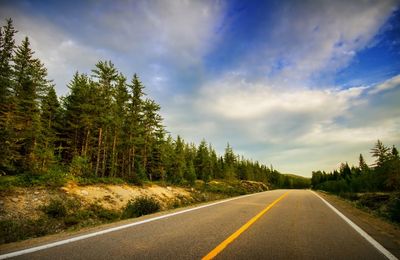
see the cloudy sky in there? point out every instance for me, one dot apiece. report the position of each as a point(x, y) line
point(301, 85)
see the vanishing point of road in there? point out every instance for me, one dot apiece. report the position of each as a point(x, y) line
point(279, 224)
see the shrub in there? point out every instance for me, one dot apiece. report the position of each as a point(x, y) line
point(373, 201)
point(12, 230)
point(79, 166)
point(102, 213)
point(393, 208)
point(56, 208)
point(140, 206)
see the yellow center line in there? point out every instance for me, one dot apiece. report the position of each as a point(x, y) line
point(238, 232)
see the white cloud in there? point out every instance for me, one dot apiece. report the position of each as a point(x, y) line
point(387, 85)
point(312, 37)
point(179, 30)
point(231, 98)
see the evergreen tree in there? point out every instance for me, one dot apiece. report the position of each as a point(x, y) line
point(178, 165)
point(229, 163)
point(362, 165)
point(380, 151)
point(135, 129)
point(30, 84)
point(120, 110)
point(50, 122)
point(8, 151)
point(190, 173)
point(202, 162)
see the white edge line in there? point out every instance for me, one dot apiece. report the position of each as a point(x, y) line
point(102, 232)
point(364, 234)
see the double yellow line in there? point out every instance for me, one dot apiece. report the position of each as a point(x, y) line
point(238, 232)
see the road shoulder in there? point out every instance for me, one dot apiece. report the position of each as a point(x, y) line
point(387, 234)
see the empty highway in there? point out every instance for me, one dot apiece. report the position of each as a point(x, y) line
point(279, 224)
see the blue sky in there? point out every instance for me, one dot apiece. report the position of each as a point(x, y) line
point(302, 85)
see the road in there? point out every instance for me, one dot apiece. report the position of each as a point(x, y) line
point(292, 224)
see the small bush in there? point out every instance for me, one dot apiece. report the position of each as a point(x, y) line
point(12, 230)
point(393, 208)
point(102, 213)
point(140, 206)
point(373, 201)
point(56, 208)
point(349, 196)
point(79, 166)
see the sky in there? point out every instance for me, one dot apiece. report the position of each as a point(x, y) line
point(301, 85)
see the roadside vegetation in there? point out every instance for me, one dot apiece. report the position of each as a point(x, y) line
point(375, 188)
point(65, 211)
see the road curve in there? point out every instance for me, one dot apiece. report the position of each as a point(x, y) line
point(298, 226)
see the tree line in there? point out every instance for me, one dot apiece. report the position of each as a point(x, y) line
point(383, 175)
point(106, 126)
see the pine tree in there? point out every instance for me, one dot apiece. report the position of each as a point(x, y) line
point(363, 165)
point(190, 173)
point(381, 152)
point(51, 122)
point(7, 46)
point(7, 101)
point(106, 75)
point(229, 160)
point(202, 162)
point(79, 118)
point(179, 164)
point(135, 129)
point(121, 97)
point(152, 123)
point(30, 84)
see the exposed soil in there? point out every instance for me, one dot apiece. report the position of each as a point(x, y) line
point(26, 202)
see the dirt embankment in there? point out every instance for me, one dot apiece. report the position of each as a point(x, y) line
point(38, 211)
point(27, 202)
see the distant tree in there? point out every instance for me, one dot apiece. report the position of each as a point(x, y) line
point(202, 162)
point(380, 151)
point(345, 171)
point(178, 164)
point(362, 165)
point(190, 174)
point(229, 163)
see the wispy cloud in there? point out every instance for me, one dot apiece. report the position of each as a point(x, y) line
point(387, 85)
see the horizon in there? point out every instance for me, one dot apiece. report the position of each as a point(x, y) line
point(302, 93)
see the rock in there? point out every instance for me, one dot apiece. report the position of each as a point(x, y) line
point(169, 188)
point(64, 189)
point(36, 193)
point(1, 202)
point(35, 199)
point(14, 200)
point(84, 192)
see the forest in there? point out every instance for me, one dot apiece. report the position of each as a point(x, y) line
point(383, 175)
point(105, 127)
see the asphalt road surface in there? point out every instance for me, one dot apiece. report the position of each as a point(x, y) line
point(276, 224)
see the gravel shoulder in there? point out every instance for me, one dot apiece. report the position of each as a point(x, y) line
point(384, 232)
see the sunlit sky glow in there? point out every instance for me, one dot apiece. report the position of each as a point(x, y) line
point(301, 85)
